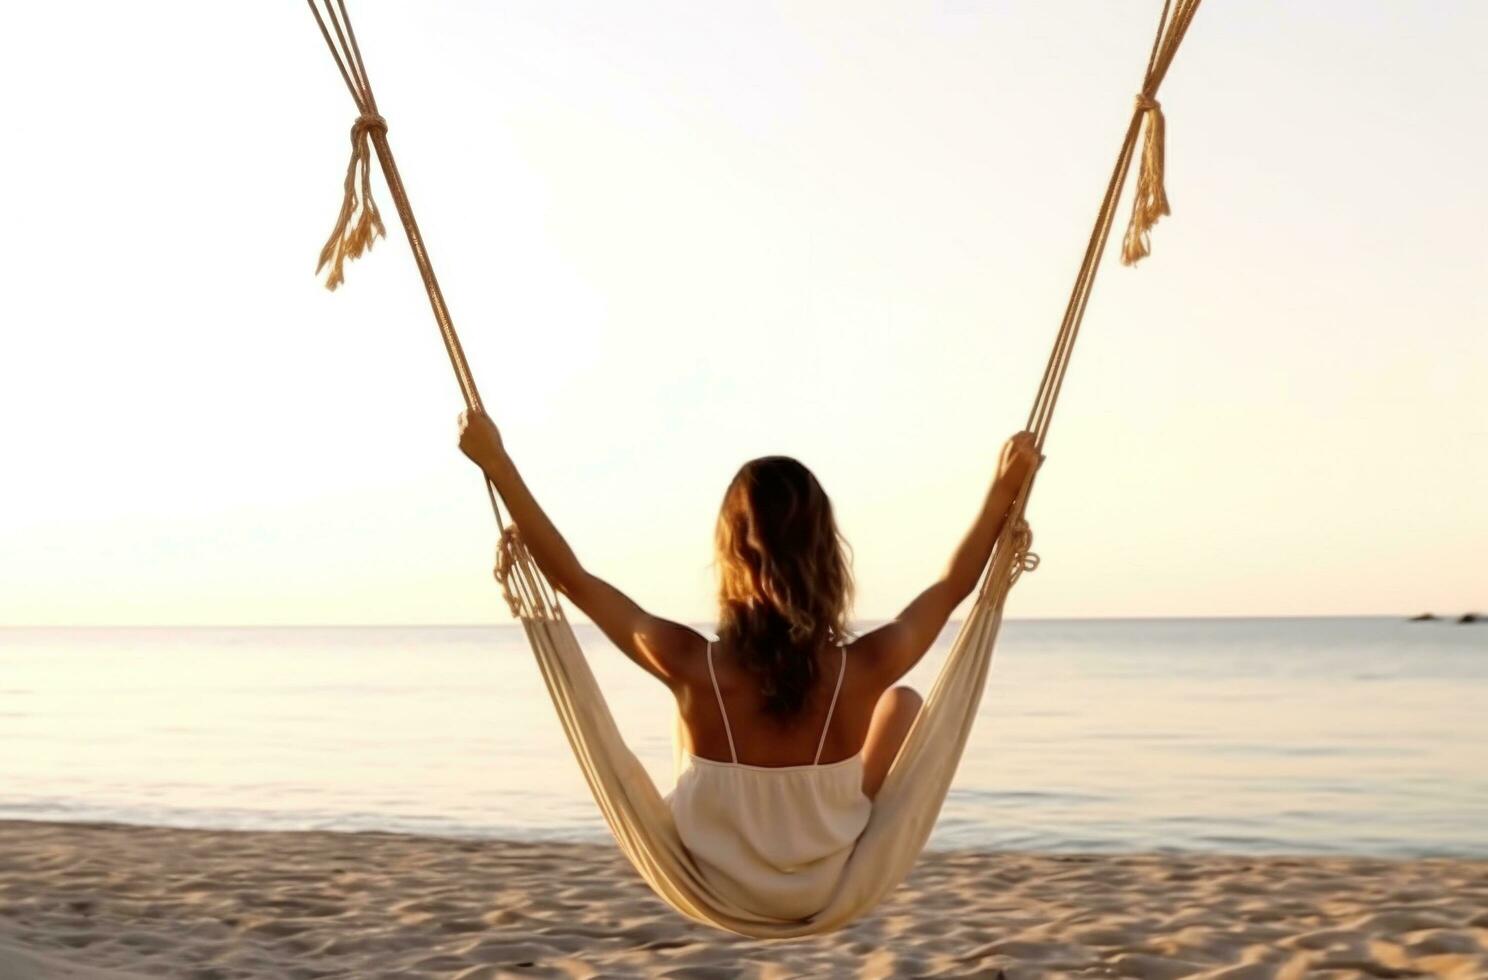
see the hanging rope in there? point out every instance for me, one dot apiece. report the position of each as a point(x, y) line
point(1151, 203)
point(350, 239)
point(359, 223)
point(372, 128)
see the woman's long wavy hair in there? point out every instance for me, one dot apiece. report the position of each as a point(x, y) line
point(785, 580)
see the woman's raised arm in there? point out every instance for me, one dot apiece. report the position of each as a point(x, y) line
point(891, 650)
point(658, 645)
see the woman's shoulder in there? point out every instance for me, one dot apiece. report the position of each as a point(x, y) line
point(867, 655)
point(679, 651)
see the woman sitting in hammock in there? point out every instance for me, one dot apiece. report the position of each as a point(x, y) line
point(790, 725)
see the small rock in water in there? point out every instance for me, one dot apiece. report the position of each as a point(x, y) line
point(1471, 618)
point(1425, 617)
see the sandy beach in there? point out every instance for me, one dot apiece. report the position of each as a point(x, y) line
point(102, 902)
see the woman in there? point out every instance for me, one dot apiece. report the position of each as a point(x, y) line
point(789, 723)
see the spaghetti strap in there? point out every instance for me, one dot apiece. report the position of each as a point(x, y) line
point(733, 754)
point(827, 725)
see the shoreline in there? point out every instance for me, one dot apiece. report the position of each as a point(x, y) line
point(601, 840)
point(119, 902)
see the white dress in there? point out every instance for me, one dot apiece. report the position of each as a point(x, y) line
point(774, 840)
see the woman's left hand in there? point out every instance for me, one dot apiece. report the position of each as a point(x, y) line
point(1019, 455)
point(479, 438)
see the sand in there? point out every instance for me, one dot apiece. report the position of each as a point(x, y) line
point(95, 902)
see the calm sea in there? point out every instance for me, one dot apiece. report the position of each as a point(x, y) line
point(1365, 736)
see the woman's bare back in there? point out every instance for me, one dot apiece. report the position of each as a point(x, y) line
point(759, 738)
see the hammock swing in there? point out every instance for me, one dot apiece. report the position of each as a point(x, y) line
point(910, 799)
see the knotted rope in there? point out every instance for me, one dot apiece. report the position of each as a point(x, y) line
point(1150, 200)
point(353, 237)
point(527, 592)
point(1024, 560)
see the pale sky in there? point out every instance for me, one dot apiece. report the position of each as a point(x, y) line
point(679, 235)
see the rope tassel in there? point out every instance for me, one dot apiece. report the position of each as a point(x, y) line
point(359, 222)
point(1151, 200)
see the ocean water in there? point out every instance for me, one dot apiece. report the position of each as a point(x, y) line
point(1358, 736)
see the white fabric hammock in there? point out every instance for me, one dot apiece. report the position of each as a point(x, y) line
point(903, 813)
point(911, 797)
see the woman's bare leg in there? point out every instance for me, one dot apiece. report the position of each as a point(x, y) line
point(895, 712)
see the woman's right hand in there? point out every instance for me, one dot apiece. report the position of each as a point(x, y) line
point(479, 438)
point(1019, 456)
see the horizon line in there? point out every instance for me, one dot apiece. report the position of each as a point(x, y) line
point(692, 623)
